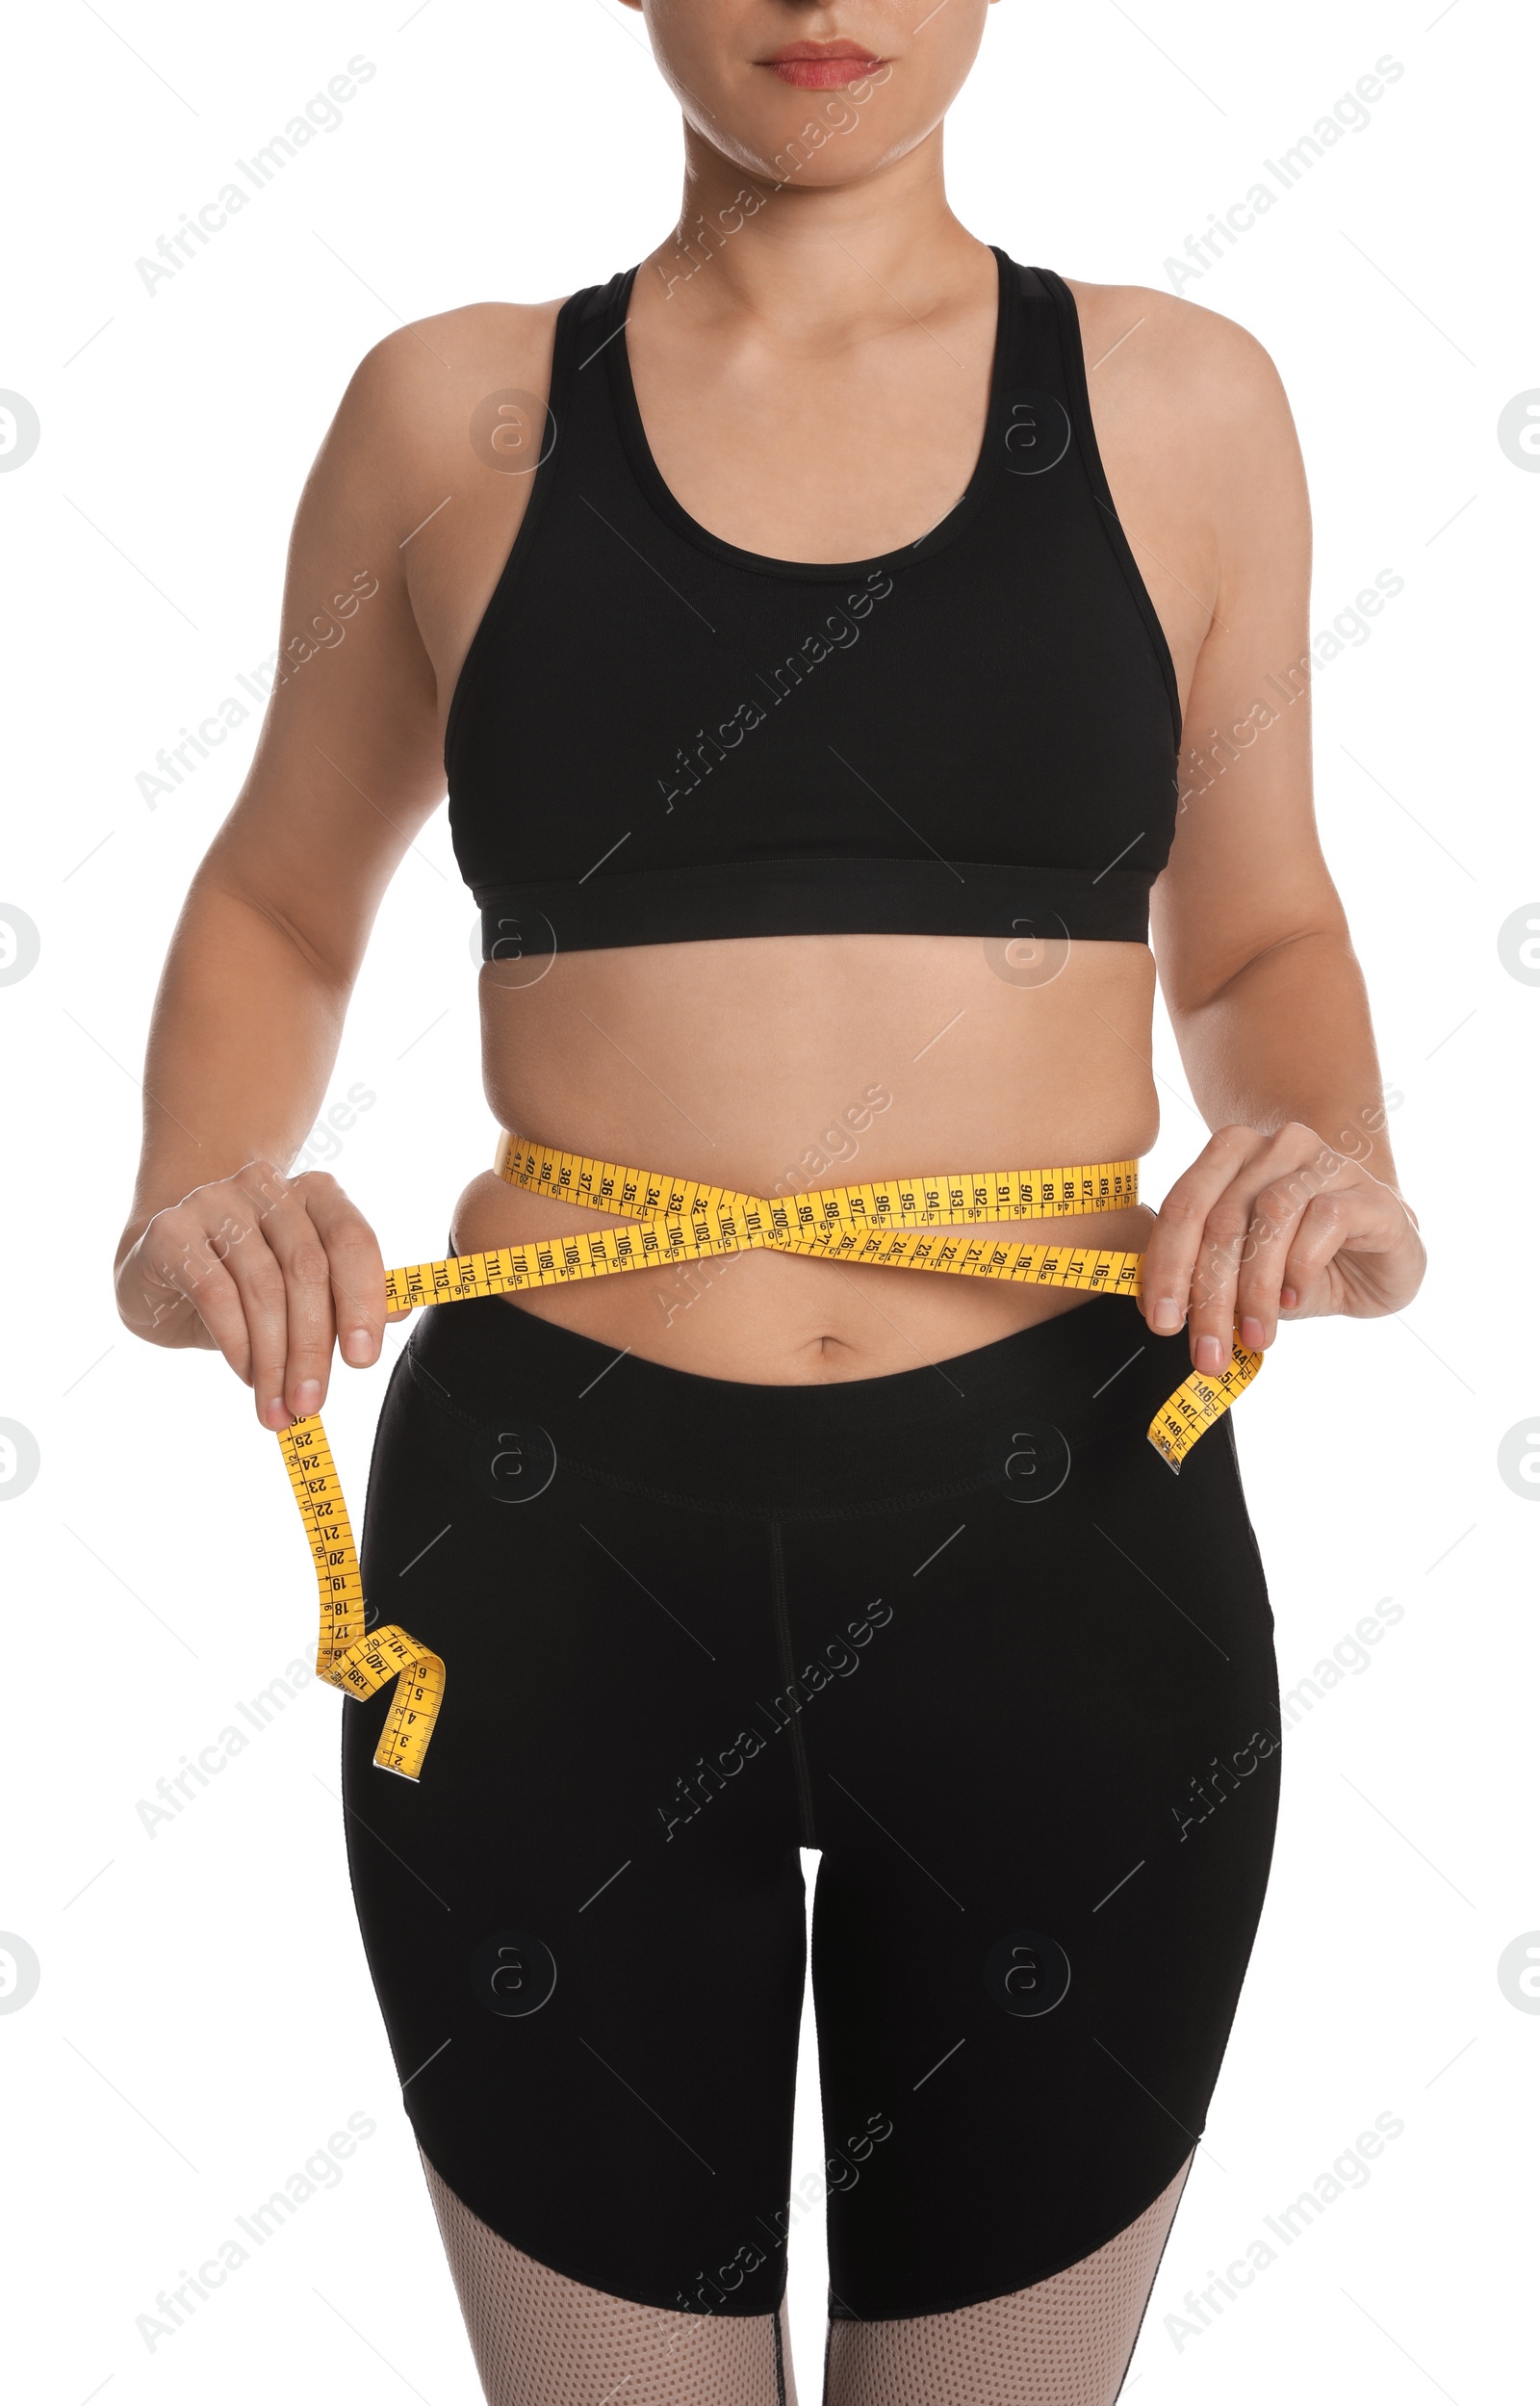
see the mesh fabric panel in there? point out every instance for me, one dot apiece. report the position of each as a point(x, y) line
point(542, 2340)
point(1065, 2341)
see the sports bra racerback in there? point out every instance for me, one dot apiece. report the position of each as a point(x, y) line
point(658, 737)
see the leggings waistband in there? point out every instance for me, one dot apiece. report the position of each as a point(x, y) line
point(1089, 1372)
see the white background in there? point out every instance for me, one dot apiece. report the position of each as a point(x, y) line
point(204, 2019)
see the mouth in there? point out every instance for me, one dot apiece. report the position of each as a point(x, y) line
point(821, 65)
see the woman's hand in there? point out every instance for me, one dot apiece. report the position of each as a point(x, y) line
point(271, 1271)
point(1269, 1227)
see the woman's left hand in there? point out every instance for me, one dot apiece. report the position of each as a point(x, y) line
point(1264, 1226)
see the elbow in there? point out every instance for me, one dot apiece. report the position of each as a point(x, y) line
point(326, 963)
point(1196, 989)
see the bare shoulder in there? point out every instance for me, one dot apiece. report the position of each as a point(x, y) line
point(439, 354)
point(1180, 358)
point(410, 410)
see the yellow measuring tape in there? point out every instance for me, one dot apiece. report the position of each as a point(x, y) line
point(884, 1223)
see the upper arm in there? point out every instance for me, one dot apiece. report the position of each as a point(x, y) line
point(1245, 871)
point(349, 766)
point(344, 771)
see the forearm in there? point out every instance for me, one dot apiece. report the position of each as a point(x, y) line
point(244, 1036)
point(1288, 1037)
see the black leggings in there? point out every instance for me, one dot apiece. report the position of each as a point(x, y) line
point(958, 1629)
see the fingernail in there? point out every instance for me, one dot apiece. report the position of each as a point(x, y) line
point(273, 1412)
point(1168, 1316)
point(1289, 1296)
point(1252, 1333)
point(307, 1397)
point(1209, 1354)
point(358, 1347)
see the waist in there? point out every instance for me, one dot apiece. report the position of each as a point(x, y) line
point(747, 1310)
point(491, 1212)
point(788, 1063)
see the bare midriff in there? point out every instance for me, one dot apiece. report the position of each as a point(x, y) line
point(785, 1064)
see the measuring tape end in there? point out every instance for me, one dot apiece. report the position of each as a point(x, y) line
point(1168, 1454)
point(382, 1763)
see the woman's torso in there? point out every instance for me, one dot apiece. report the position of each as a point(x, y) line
point(770, 1062)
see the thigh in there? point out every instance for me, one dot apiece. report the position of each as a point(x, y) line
point(1065, 2341)
point(589, 1955)
point(1046, 1803)
point(542, 2340)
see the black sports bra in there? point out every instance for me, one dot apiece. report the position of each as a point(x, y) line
point(658, 738)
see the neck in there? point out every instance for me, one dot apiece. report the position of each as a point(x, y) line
point(799, 257)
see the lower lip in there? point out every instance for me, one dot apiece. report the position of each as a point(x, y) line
point(823, 75)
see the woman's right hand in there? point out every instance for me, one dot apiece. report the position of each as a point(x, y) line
point(270, 1270)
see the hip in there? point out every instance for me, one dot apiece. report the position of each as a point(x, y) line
point(493, 1405)
point(591, 1542)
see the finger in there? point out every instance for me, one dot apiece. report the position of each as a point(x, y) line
point(309, 1323)
point(1328, 1177)
point(1332, 1224)
point(1231, 1235)
point(357, 1270)
point(1287, 1167)
point(1259, 1284)
point(252, 1263)
point(180, 1269)
point(1276, 1216)
point(1170, 1259)
point(1216, 1276)
point(1246, 1242)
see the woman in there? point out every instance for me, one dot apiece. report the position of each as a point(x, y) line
point(807, 621)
